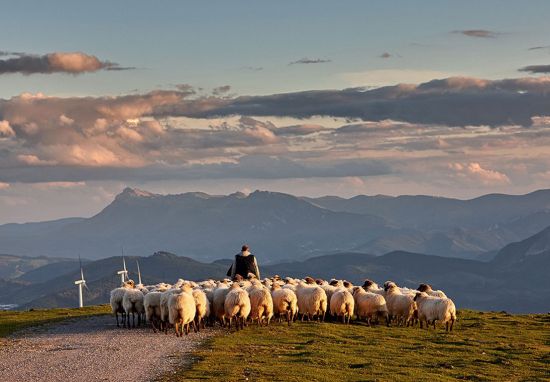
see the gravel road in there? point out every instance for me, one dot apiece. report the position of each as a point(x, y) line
point(93, 349)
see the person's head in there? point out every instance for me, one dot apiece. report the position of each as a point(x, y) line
point(245, 248)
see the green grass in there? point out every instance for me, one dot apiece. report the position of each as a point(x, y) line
point(483, 347)
point(11, 321)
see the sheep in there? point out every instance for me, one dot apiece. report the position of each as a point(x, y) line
point(218, 308)
point(371, 286)
point(182, 310)
point(285, 302)
point(369, 305)
point(237, 306)
point(400, 306)
point(312, 301)
point(342, 304)
point(261, 303)
point(151, 302)
point(427, 288)
point(203, 308)
point(132, 302)
point(432, 309)
point(115, 300)
point(164, 311)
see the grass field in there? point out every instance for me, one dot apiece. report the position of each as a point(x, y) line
point(11, 320)
point(484, 347)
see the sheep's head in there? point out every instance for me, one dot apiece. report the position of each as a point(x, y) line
point(424, 287)
point(275, 286)
point(419, 295)
point(238, 278)
point(347, 284)
point(368, 283)
point(309, 280)
point(355, 290)
point(389, 284)
point(319, 281)
point(251, 276)
point(129, 284)
point(334, 282)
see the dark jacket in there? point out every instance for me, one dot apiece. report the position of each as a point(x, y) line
point(243, 265)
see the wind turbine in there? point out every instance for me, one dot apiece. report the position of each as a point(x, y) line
point(80, 284)
point(139, 273)
point(123, 273)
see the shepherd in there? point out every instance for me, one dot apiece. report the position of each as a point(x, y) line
point(244, 265)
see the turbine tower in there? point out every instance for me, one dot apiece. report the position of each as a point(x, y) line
point(80, 284)
point(123, 273)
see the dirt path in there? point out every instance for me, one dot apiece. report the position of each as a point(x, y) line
point(93, 349)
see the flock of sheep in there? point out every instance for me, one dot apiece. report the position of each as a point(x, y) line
point(187, 303)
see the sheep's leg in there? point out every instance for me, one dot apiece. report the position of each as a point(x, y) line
point(452, 323)
point(434, 323)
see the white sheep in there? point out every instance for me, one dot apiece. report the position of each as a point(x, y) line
point(285, 302)
point(432, 309)
point(370, 306)
point(218, 307)
point(312, 301)
point(182, 310)
point(261, 303)
point(427, 288)
point(164, 311)
point(237, 306)
point(371, 286)
point(151, 302)
point(132, 302)
point(115, 300)
point(342, 304)
point(400, 306)
point(203, 308)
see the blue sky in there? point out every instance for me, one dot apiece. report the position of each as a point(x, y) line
point(75, 128)
point(209, 44)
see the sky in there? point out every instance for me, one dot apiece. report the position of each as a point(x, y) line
point(310, 98)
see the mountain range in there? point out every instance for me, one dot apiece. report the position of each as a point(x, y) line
point(515, 280)
point(281, 227)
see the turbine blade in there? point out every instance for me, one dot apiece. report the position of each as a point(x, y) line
point(86, 286)
point(81, 274)
point(139, 273)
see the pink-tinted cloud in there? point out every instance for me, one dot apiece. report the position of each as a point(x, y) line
point(5, 130)
point(473, 171)
point(57, 62)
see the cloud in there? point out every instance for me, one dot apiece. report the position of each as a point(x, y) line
point(306, 60)
point(478, 33)
point(58, 62)
point(5, 130)
point(385, 77)
point(536, 69)
point(4, 186)
point(385, 55)
point(253, 68)
point(473, 171)
point(539, 47)
point(57, 185)
point(455, 101)
point(221, 90)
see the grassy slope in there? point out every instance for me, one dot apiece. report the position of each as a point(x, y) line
point(10, 321)
point(484, 346)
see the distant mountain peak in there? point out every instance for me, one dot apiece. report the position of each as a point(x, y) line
point(129, 192)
